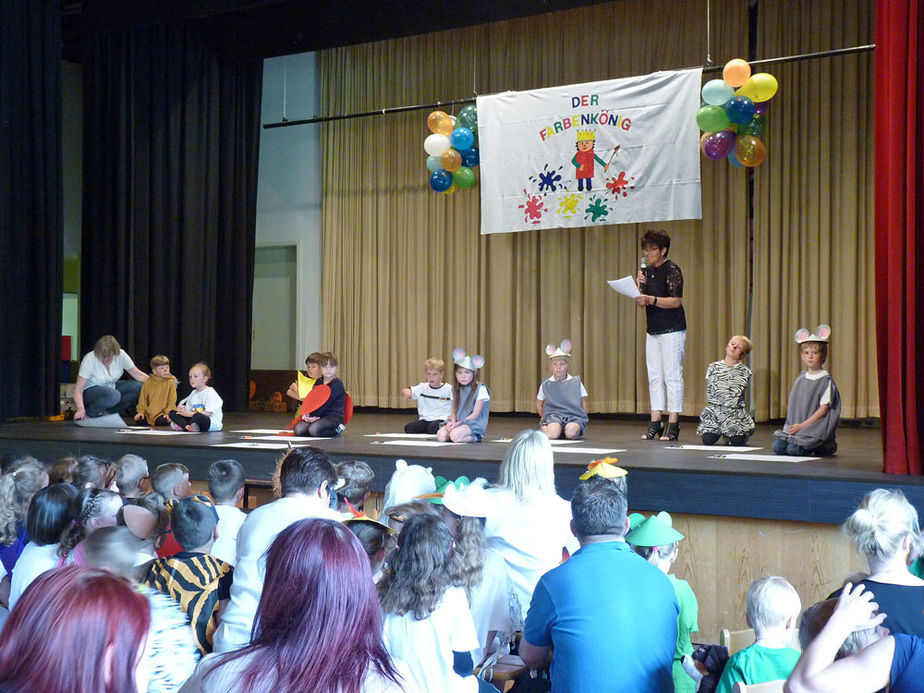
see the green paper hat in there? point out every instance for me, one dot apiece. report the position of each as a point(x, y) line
point(635, 519)
point(441, 484)
point(655, 531)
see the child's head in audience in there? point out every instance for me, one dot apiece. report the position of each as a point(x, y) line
point(92, 509)
point(76, 609)
point(194, 521)
point(49, 514)
point(226, 482)
point(528, 467)
point(816, 616)
point(465, 507)
point(11, 460)
point(17, 487)
point(421, 569)
point(378, 541)
point(160, 366)
point(131, 471)
point(357, 478)
point(146, 519)
point(434, 370)
point(313, 364)
point(885, 528)
point(773, 607)
point(171, 480)
point(397, 515)
point(656, 540)
point(62, 471)
point(116, 549)
point(93, 472)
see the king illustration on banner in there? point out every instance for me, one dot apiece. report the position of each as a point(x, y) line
point(613, 152)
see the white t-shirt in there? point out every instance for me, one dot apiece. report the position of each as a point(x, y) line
point(230, 519)
point(426, 646)
point(490, 602)
point(826, 395)
point(205, 400)
point(541, 395)
point(433, 403)
point(529, 534)
point(96, 373)
point(33, 561)
point(253, 540)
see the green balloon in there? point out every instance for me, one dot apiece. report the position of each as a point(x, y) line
point(468, 117)
point(712, 119)
point(464, 177)
point(757, 126)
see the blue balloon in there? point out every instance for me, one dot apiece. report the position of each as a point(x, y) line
point(733, 160)
point(462, 138)
point(441, 180)
point(740, 109)
point(470, 157)
point(433, 163)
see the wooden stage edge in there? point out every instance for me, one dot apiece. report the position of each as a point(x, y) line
point(660, 478)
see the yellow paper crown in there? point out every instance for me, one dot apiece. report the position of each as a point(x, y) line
point(584, 135)
point(604, 468)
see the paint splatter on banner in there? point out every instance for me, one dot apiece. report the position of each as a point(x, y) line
point(615, 152)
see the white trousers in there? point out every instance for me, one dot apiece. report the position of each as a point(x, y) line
point(664, 356)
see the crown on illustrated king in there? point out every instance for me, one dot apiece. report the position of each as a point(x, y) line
point(586, 135)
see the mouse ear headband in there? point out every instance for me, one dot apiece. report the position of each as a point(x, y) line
point(822, 333)
point(463, 360)
point(562, 351)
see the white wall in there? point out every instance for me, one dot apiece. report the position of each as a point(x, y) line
point(289, 188)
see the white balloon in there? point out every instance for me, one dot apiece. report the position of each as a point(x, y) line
point(436, 145)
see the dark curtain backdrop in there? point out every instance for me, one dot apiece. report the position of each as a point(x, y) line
point(30, 206)
point(899, 140)
point(171, 133)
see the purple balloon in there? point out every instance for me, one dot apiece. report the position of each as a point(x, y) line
point(761, 107)
point(717, 145)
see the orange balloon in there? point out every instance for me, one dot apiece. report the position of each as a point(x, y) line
point(445, 126)
point(451, 160)
point(736, 72)
point(750, 150)
point(433, 120)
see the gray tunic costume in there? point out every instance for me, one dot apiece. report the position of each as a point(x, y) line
point(563, 402)
point(804, 400)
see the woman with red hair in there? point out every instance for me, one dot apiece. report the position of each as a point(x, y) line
point(318, 626)
point(81, 610)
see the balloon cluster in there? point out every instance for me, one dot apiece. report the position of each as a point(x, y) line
point(451, 149)
point(733, 116)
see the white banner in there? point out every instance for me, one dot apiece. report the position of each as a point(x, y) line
point(614, 152)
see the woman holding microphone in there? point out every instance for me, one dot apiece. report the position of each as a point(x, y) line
point(660, 282)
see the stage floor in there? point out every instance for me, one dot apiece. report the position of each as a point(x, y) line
point(662, 475)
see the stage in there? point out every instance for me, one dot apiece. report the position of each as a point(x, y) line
point(662, 475)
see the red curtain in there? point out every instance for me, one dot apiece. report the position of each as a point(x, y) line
point(899, 181)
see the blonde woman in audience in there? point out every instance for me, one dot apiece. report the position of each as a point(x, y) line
point(886, 532)
point(529, 524)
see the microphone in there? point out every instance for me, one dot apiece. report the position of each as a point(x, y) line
point(643, 265)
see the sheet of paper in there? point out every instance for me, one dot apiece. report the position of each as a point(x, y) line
point(590, 451)
point(263, 431)
point(415, 443)
point(153, 432)
point(713, 448)
point(762, 458)
point(625, 286)
point(421, 436)
point(254, 446)
point(283, 439)
point(553, 442)
point(104, 421)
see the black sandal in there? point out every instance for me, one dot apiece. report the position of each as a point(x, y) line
point(654, 430)
point(673, 431)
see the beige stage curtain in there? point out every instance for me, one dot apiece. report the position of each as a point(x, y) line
point(406, 273)
point(813, 204)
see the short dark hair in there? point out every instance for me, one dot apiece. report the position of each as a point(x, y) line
point(357, 477)
point(658, 238)
point(49, 513)
point(304, 469)
point(226, 478)
point(193, 523)
point(599, 506)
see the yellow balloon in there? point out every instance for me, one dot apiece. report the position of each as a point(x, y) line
point(434, 119)
point(761, 87)
point(451, 190)
point(736, 72)
point(451, 160)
